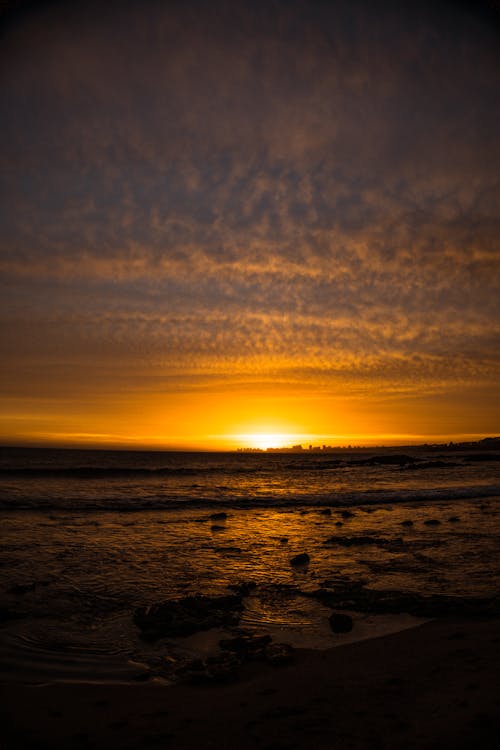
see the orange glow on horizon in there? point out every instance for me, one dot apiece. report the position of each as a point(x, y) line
point(242, 418)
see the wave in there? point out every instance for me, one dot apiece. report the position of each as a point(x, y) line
point(312, 500)
point(401, 461)
point(110, 472)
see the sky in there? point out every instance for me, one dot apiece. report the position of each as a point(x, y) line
point(223, 220)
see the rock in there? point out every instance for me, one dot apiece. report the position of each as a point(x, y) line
point(302, 559)
point(340, 623)
point(278, 654)
point(216, 527)
point(362, 540)
point(359, 598)
point(326, 512)
point(347, 514)
point(243, 588)
point(407, 523)
point(339, 523)
point(453, 519)
point(218, 516)
point(284, 540)
point(182, 617)
point(432, 522)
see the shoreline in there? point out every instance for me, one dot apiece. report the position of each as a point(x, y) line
point(434, 685)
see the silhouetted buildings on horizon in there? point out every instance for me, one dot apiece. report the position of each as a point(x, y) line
point(489, 443)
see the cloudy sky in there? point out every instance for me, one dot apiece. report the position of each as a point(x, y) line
point(234, 217)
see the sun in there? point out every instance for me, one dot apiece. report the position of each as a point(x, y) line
point(265, 440)
point(265, 436)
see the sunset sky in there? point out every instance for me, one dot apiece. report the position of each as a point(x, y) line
point(229, 219)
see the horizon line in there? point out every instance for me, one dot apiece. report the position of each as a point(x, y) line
point(143, 447)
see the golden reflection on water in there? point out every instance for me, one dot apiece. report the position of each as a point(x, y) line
point(90, 570)
point(146, 556)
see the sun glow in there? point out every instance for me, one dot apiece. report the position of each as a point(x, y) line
point(265, 440)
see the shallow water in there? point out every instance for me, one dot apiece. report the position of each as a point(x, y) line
point(72, 571)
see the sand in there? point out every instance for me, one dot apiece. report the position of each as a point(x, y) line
point(434, 686)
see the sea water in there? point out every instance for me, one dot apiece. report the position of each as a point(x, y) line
point(89, 536)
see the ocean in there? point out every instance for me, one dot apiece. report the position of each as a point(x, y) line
point(89, 537)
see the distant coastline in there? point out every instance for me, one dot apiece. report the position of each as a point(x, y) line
point(489, 443)
point(485, 444)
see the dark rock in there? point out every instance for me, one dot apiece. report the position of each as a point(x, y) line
point(284, 540)
point(278, 654)
point(218, 516)
point(361, 599)
point(432, 522)
point(453, 519)
point(326, 512)
point(407, 523)
point(340, 623)
point(302, 559)
point(347, 514)
point(338, 523)
point(182, 617)
point(216, 527)
point(244, 588)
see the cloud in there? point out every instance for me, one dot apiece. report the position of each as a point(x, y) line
point(293, 190)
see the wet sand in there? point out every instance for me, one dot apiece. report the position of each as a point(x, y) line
point(434, 686)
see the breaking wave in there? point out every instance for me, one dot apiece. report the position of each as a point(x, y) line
point(166, 501)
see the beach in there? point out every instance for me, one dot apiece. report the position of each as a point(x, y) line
point(247, 601)
point(434, 686)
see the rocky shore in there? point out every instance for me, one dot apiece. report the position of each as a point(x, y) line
point(183, 617)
